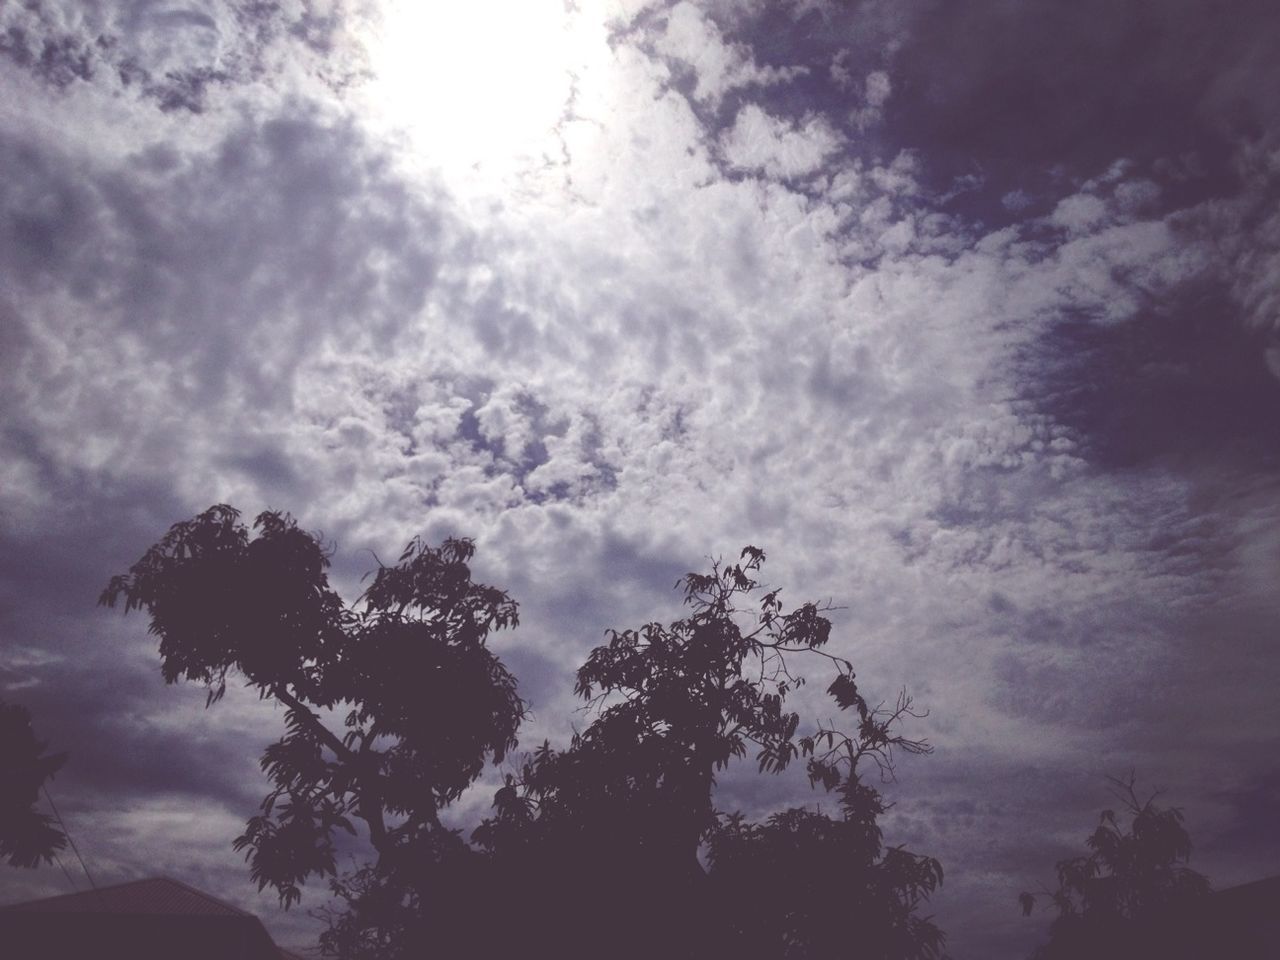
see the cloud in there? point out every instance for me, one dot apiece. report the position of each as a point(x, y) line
point(177, 57)
point(1245, 231)
point(876, 90)
point(760, 142)
point(1029, 450)
point(692, 39)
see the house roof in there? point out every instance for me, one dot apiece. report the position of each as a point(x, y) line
point(142, 904)
point(153, 896)
point(1258, 894)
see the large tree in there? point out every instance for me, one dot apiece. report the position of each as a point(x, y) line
point(392, 704)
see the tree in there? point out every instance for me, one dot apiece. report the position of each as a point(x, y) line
point(612, 845)
point(27, 836)
point(392, 705)
point(830, 887)
point(623, 817)
point(1120, 899)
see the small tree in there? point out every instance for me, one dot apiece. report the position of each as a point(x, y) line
point(824, 887)
point(392, 705)
point(1116, 900)
point(27, 836)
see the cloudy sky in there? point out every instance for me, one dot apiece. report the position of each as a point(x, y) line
point(967, 313)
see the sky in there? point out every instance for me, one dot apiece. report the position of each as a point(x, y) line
point(968, 314)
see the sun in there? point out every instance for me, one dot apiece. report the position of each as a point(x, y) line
point(480, 86)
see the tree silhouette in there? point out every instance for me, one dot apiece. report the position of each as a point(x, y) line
point(833, 889)
point(392, 705)
point(619, 819)
point(1124, 896)
point(26, 836)
point(612, 845)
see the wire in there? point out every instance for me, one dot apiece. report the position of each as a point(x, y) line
point(67, 832)
point(63, 867)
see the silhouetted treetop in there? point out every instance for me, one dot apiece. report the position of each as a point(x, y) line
point(822, 887)
point(1114, 900)
point(612, 845)
point(392, 704)
point(624, 818)
point(27, 836)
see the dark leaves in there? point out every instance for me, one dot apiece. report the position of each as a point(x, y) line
point(426, 703)
point(808, 885)
point(845, 692)
point(618, 820)
point(1131, 874)
point(805, 627)
point(394, 704)
point(1027, 902)
point(27, 837)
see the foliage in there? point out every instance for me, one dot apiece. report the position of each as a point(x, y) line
point(621, 817)
point(26, 835)
point(822, 887)
point(1113, 900)
point(392, 705)
point(612, 845)
point(439, 899)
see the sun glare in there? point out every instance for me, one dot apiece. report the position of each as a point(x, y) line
point(479, 85)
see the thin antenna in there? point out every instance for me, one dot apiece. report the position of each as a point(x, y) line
point(67, 832)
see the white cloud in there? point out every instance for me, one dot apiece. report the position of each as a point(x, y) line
point(777, 148)
point(1080, 213)
point(721, 66)
point(876, 90)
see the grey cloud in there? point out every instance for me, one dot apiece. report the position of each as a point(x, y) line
point(823, 47)
point(271, 471)
point(124, 744)
point(1028, 96)
point(57, 60)
point(175, 57)
point(206, 258)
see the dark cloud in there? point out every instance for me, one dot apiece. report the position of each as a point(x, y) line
point(1186, 385)
point(123, 749)
point(1016, 86)
point(270, 470)
point(1015, 101)
point(56, 60)
point(1253, 827)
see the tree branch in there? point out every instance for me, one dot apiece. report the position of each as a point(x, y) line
point(369, 804)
